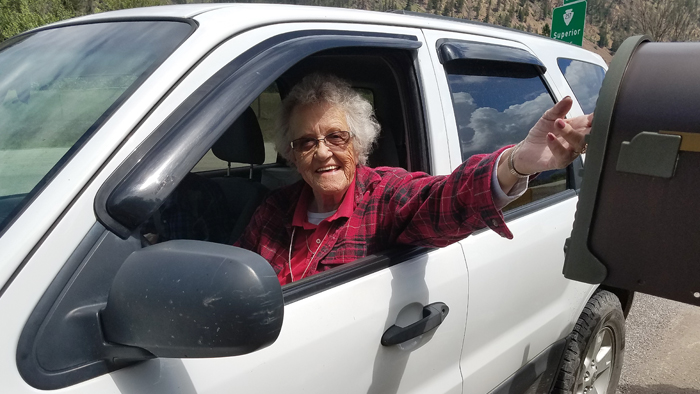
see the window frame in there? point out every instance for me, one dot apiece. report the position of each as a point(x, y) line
point(199, 121)
point(452, 49)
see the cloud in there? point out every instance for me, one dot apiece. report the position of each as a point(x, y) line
point(487, 129)
point(585, 80)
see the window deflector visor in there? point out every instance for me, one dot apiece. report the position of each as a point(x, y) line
point(449, 49)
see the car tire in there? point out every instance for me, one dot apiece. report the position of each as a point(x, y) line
point(595, 349)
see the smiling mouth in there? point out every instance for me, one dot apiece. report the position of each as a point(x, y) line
point(327, 169)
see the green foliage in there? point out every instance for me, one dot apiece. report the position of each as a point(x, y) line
point(546, 9)
point(617, 41)
point(447, 9)
point(546, 31)
point(603, 40)
point(111, 5)
point(17, 16)
point(458, 7)
point(433, 5)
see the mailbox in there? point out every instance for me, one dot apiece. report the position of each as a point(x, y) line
point(637, 223)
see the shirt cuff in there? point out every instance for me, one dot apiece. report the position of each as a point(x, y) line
point(500, 198)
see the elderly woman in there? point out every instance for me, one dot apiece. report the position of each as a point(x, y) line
point(344, 210)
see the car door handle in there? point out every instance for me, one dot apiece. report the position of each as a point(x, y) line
point(433, 315)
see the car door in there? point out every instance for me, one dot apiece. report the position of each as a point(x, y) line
point(333, 323)
point(520, 306)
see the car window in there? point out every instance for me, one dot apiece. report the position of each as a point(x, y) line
point(585, 80)
point(265, 108)
point(57, 87)
point(496, 104)
point(215, 204)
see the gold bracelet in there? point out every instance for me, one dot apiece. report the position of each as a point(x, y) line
point(511, 166)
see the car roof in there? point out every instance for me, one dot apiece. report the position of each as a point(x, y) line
point(237, 17)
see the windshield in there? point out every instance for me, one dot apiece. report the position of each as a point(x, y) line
point(58, 86)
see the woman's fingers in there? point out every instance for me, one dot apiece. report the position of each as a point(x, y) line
point(574, 131)
point(561, 155)
point(574, 137)
point(559, 110)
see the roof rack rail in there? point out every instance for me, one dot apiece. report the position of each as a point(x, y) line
point(468, 21)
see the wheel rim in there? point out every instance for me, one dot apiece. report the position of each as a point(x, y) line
point(596, 371)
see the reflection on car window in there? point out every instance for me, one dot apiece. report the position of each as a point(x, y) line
point(585, 80)
point(57, 86)
point(496, 104)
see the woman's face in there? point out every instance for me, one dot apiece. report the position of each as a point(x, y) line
point(328, 170)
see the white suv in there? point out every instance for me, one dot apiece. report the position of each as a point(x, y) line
point(108, 124)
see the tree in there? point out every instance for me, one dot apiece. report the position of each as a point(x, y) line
point(111, 5)
point(617, 41)
point(446, 10)
point(458, 7)
point(603, 39)
point(666, 20)
point(408, 5)
point(546, 9)
point(433, 5)
point(546, 31)
point(17, 16)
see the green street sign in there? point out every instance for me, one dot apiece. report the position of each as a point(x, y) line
point(568, 22)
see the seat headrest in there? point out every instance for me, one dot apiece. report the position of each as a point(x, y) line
point(242, 142)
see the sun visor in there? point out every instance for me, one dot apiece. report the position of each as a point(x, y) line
point(637, 224)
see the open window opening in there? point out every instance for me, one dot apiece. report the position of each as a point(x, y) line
point(217, 199)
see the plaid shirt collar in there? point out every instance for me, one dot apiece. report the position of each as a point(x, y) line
point(347, 206)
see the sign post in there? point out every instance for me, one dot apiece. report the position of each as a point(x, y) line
point(568, 22)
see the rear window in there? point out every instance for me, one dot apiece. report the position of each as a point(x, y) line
point(58, 86)
point(496, 104)
point(585, 80)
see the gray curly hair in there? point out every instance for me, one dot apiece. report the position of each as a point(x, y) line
point(321, 88)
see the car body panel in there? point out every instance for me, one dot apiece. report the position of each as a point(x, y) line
point(508, 300)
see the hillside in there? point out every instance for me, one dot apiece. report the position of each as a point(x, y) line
point(608, 22)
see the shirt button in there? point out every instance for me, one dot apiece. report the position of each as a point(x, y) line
point(494, 222)
point(318, 241)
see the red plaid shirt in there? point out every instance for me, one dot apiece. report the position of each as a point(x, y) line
point(391, 206)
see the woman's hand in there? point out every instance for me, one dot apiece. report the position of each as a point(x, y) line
point(554, 142)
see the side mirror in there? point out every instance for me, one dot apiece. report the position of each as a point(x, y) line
point(194, 299)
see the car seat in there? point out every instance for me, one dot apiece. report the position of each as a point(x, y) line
point(241, 143)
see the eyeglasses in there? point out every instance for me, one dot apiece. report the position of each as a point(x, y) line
point(335, 141)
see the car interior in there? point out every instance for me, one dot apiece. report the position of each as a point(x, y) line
point(217, 199)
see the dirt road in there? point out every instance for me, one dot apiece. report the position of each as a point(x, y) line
point(663, 348)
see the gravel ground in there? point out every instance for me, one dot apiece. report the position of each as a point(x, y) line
point(662, 348)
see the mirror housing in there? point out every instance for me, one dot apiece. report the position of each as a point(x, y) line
point(184, 299)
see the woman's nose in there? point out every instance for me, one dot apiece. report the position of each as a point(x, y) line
point(322, 150)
